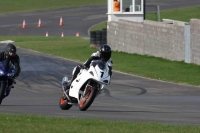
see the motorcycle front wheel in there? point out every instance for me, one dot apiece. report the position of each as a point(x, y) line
point(63, 103)
point(86, 101)
point(2, 87)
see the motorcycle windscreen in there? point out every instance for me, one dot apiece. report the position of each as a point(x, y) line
point(5, 64)
point(103, 73)
point(101, 64)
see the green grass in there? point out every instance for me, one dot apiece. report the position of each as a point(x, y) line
point(74, 48)
point(8, 6)
point(99, 26)
point(180, 14)
point(78, 49)
point(11, 123)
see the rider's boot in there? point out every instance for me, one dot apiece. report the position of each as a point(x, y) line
point(69, 84)
point(10, 86)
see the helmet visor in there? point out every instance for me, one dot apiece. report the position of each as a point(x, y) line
point(106, 56)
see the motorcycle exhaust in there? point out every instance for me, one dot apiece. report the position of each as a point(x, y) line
point(66, 94)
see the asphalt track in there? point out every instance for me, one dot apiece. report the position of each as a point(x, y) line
point(128, 98)
point(76, 19)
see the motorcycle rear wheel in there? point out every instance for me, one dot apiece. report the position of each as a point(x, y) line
point(63, 103)
point(86, 101)
point(2, 87)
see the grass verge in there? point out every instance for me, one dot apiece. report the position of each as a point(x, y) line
point(99, 26)
point(174, 14)
point(78, 49)
point(180, 14)
point(10, 123)
point(9, 6)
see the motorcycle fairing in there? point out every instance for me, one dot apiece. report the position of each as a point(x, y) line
point(95, 72)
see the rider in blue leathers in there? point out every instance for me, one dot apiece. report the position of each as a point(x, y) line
point(10, 53)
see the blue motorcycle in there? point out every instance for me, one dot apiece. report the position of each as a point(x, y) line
point(7, 71)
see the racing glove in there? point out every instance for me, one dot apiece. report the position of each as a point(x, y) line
point(83, 66)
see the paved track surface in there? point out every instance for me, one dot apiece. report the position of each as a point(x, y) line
point(76, 19)
point(128, 98)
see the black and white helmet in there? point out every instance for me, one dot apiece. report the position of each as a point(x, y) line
point(105, 52)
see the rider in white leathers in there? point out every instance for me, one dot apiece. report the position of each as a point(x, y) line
point(104, 54)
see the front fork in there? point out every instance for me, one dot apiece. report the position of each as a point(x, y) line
point(86, 91)
point(87, 88)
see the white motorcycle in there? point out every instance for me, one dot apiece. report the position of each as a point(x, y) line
point(87, 85)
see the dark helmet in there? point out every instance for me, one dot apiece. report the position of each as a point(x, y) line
point(105, 52)
point(11, 48)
